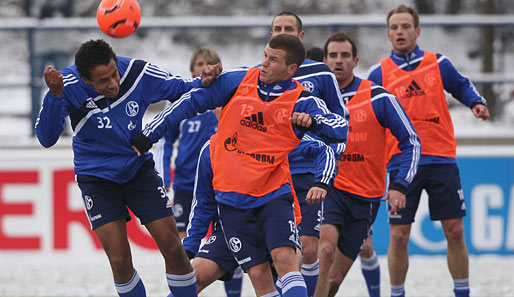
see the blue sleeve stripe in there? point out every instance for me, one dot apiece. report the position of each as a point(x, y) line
point(416, 150)
point(159, 119)
point(330, 164)
point(71, 82)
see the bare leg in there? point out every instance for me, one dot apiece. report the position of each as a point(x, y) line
point(398, 253)
point(165, 233)
point(261, 278)
point(206, 271)
point(113, 237)
point(457, 252)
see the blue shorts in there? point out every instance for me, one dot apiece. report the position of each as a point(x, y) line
point(311, 213)
point(216, 250)
point(106, 201)
point(352, 217)
point(181, 208)
point(445, 196)
point(251, 234)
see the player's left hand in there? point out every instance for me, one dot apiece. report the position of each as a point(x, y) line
point(481, 112)
point(141, 144)
point(301, 119)
point(209, 73)
point(315, 195)
point(397, 201)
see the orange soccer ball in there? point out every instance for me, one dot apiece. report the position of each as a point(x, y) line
point(118, 18)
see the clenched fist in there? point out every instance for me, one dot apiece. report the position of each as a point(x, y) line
point(53, 79)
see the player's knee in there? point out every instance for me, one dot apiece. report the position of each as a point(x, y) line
point(455, 233)
point(399, 237)
point(310, 253)
point(285, 262)
point(326, 250)
point(121, 264)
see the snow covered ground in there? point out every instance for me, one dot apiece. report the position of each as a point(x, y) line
point(89, 275)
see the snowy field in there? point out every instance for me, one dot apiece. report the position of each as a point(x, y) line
point(90, 275)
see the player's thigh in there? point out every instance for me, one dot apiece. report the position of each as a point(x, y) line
point(445, 196)
point(114, 240)
point(103, 200)
point(145, 195)
point(243, 235)
point(206, 272)
point(277, 222)
point(356, 229)
point(215, 250)
point(164, 232)
point(413, 196)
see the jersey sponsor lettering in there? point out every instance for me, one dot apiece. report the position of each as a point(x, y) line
point(255, 121)
point(352, 157)
point(413, 90)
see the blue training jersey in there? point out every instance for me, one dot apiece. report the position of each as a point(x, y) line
point(329, 127)
point(102, 127)
point(204, 208)
point(459, 86)
point(191, 134)
point(390, 114)
point(318, 79)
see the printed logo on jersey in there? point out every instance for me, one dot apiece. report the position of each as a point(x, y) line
point(89, 202)
point(356, 136)
point(434, 120)
point(352, 157)
point(91, 104)
point(131, 126)
point(235, 244)
point(281, 115)
point(359, 115)
point(178, 210)
point(430, 79)
point(230, 143)
point(254, 121)
point(211, 239)
point(230, 146)
point(308, 85)
point(132, 108)
point(413, 90)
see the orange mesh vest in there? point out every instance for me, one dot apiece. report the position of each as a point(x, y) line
point(296, 204)
point(421, 94)
point(254, 139)
point(363, 165)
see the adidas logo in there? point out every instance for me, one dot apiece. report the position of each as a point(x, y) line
point(413, 90)
point(277, 87)
point(91, 104)
point(255, 121)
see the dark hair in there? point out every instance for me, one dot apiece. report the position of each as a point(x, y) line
point(295, 51)
point(205, 52)
point(315, 54)
point(287, 13)
point(340, 37)
point(93, 53)
point(404, 8)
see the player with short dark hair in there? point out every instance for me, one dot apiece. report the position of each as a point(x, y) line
point(352, 204)
point(105, 97)
point(320, 81)
point(265, 114)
